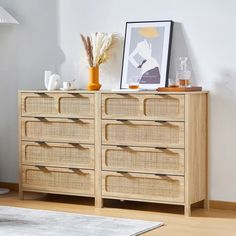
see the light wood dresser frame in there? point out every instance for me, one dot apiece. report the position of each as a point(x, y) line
point(140, 146)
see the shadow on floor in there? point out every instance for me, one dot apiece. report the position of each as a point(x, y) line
point(73, 201)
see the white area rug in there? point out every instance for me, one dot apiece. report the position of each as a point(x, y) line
point(28, 222)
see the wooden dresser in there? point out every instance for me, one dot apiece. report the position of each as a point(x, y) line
point(57, 143)
point(141, 146)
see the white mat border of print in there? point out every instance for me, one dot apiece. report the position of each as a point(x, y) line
point(152, 224)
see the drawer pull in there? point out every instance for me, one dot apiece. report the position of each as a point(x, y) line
point(122, 120)
point(74, 94)
point(77, 95)
point(124, 94)
point(161, 121)
point(78, 145)
point(163, 95)
point(42, 168)
point(41, 142)
point(40, 93)
point(122, 146)
point(41, 118)
point(161, 148)
point(77, 171)
point(122, 172)
point(74, 144)
point(74, 169)
point(74, 119)
point(162, 175)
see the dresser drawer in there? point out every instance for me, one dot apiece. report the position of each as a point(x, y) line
point(146, 160)
point(60, 105)
point(58, 154)
point(143, 133)
point(58, 180)
point(143, 107)
point(143, 187)
point(58, 130)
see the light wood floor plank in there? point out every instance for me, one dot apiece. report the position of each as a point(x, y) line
point(213, 222)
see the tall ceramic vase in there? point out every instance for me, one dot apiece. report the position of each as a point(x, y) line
point(94, 79)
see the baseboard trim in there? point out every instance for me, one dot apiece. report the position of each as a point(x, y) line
point(11, 186)
point(222, 205)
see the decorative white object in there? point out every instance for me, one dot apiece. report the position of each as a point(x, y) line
point(52, 82)
point(66, 86)
point(6, 18)
point(47, 75)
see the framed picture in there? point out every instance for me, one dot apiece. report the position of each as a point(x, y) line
point(146, 54)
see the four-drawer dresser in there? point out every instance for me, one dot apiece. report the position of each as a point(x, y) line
point(140, 146)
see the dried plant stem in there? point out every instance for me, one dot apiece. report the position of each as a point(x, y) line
point(88, 50)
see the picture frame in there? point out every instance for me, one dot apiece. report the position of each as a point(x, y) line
point(146, 54)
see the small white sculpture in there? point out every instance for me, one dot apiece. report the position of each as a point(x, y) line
point(47, 75)
point(52, 81)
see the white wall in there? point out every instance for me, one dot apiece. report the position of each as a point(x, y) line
point(26, 50)
point(205, 32)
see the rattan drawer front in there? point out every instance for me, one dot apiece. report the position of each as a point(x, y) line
point(77, 105)
point(58, 180)
point(143, 107)
point(143, 187)
point(121, 106)
point(164, 107)
point(58, 130)
point(143, 133)
point(38, 104)
point(58, 154)
point(57, 105)
point(146, 160)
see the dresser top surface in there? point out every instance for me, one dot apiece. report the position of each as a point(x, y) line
point(112, 91)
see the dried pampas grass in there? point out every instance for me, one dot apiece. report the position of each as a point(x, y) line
point(99, 47)
point(88, 49)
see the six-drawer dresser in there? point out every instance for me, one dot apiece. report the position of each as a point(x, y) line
point(139, 146)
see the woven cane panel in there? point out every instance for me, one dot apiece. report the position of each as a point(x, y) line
point(158, 188)
point(59, 154)
point(60, 131)
point(165, 107)
point(57, 180)
point(76, 105)
point(39, 105)
point(146, 134)
point(146, 160)
point(121, 107)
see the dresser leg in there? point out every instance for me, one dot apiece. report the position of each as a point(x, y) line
point(206, 203)
point(21, 195)
point(98, 202)
point(187, 210)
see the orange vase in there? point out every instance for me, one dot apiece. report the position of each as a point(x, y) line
point(94, 79)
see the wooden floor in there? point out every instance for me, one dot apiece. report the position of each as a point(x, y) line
point(203, 222)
